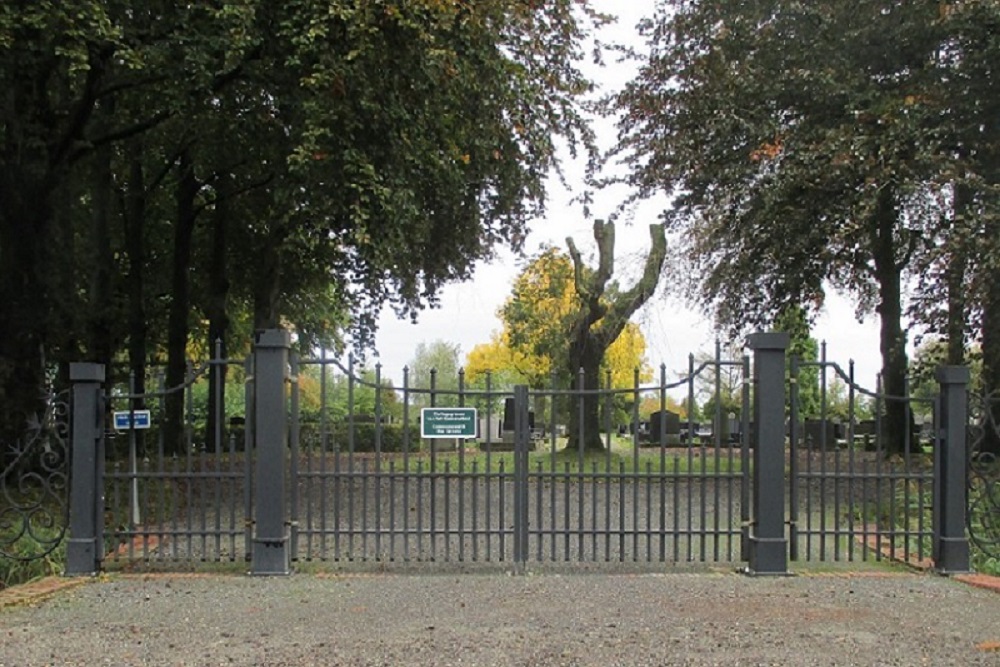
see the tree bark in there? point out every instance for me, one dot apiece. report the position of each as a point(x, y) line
point(180, 303)
point(135, 248)
point(101, 310)
point(892, 339)
point(955, 274)
point(25, 302)
point(218, 319)
point(267, 287)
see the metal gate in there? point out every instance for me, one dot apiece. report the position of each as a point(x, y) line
point(181, 495)
point(367, 487)
point(853, 493)
point(34, 470)
point(984, 475)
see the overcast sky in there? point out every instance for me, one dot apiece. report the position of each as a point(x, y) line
point(467, 315)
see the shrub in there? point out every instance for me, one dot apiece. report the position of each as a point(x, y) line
point(310, 436)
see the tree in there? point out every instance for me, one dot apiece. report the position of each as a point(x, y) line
point(794, 320)
point(270, 163)
point(435, 368)
point(601, 313)
point(798, 139)
point(533, 346)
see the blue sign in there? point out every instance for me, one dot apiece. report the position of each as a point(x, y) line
point(129, 419)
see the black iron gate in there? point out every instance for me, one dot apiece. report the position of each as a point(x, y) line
point(34, 472)
point(367, 487)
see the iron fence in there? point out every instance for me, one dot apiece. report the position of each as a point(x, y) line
point(340, 468)
point(984, 474)
point(367, 487)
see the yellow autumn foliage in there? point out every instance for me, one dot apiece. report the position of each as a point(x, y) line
point(535, 331)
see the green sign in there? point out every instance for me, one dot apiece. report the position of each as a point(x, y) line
point(448, 423)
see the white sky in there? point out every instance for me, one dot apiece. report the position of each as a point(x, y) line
point(467, 315)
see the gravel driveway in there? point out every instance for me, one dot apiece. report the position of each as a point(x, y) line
point(721, 618)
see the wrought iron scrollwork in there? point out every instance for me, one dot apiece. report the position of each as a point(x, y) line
point(984, 473)
point(34, 484)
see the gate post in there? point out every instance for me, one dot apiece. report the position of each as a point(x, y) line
point(768, 553)
point(951, 469)
point(270, 542)
point(83, 551)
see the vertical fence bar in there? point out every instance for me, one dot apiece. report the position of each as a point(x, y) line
point(270, 546)
point(951, 545)
point(249, 447)
point(522, 435)
point(768, 545)
point(295, 436)
point(745, 464)
point(83, 552)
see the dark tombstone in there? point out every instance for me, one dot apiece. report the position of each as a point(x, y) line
point(237, 430)
point(818, 433)
point(734, 427)
point(508, 414)
point(507, 426)
point(926, 433)
point(664, 421)
point(865, 427)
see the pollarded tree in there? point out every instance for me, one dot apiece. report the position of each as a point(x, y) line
point(534, 347)
point(601, 313)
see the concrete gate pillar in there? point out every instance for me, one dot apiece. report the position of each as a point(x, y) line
point(768, 553)
point(271, 535)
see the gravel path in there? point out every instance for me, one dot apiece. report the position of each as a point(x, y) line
point(488, 619)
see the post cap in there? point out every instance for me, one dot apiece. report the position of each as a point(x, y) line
point(272, 338)
point(952, 374)
point(86, 372)
point(769, 341)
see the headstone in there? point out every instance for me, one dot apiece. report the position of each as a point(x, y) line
point(666, 422)
point(814, 432)
point(507, 426)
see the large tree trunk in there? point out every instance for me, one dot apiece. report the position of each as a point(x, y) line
point(585, 356)
point(101, 308)
point(25, 303)
point(892, 340)
point(180, 303)
point(218, 320)
point(955, 274)
point(991, 368)
point(135, 248)
point(267, 287)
